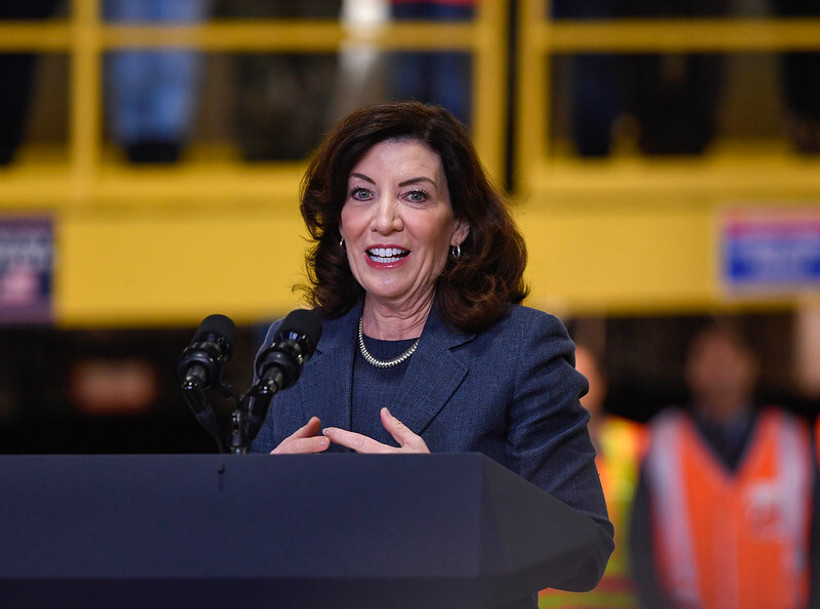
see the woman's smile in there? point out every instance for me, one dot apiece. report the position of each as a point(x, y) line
point(386, 257)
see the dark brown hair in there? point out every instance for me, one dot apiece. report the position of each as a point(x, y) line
point(475, 289)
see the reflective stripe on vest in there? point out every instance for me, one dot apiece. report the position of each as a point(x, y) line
point(621, 444)
point(731, 540)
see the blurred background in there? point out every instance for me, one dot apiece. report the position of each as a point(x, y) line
point(661, 159)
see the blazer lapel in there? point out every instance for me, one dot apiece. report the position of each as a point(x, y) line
point(327, 385)
point(432, 377)
point(434, 373)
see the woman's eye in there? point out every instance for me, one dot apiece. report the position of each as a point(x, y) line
point(361, 194)
point(417, 196)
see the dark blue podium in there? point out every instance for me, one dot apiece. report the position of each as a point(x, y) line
point(256, 531)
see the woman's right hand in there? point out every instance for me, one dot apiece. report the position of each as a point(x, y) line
point(305, 440)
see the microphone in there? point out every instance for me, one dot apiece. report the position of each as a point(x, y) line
point(293, 345)
point(279, 366)
point(203, 362)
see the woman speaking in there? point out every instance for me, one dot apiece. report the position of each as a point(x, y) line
point(416, 269)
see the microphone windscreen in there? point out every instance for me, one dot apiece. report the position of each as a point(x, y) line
point(304, 322)
point(217, 326)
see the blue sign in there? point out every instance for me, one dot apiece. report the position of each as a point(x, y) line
point(26, 269)
point(771, 250)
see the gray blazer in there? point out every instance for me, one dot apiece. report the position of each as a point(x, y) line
point(510, 392)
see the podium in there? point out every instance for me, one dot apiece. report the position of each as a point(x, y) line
point(279, 532)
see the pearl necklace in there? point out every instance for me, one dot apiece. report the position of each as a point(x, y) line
point(381, 363)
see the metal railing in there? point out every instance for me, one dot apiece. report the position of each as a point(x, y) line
point(538, 169)
point(85, 37)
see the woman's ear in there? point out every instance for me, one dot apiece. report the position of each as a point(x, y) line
point(460, 233)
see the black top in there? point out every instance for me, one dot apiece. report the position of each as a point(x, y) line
point(374, 388)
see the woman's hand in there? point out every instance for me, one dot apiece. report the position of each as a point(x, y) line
point(409, 442)
point(306, 439)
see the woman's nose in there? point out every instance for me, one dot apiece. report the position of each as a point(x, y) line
point(386, 218)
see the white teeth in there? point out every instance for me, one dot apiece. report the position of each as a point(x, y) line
point(386, 254)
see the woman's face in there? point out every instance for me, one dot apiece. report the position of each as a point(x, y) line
point(398, 223)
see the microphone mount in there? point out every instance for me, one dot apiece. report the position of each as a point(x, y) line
point(239, 438)
point(277, 367)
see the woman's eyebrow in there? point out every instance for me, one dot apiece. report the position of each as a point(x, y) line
point(361, 176)
point(417, 180)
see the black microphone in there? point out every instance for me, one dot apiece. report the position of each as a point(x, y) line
point(279, 366)
point(203, 362)
point(293, 345)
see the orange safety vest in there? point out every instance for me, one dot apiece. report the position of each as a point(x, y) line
point(621, 445)
point(731, 540)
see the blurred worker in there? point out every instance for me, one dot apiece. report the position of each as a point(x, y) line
point(596, 89)
point(618, 445)
point(722, 518)
point(153, 94)
point(439, 77)
point(17, 76)
point(672, 97)
point(799, 75)
point(284, 100)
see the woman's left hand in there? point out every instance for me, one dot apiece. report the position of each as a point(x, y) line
point(409, 442)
